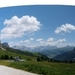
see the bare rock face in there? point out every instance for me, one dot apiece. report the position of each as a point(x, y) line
point(5, 44)
point(1, 46)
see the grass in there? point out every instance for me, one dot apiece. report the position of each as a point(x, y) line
point(45, 68)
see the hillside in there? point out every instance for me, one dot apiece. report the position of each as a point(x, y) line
point(70, 55)
point(22, 52)
point(14, 52)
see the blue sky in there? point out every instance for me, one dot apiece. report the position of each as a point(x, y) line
point(38, 25)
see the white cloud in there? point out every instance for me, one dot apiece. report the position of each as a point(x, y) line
point(39, 39)
point(50, 39)
point(28, 41)
point(31, 39)
point(61, 40)
point(42, 42)
point(71, 44)
point(11, 44)
point(53, 42)
point(65, 28)
point(18, 27)
point(21, 41)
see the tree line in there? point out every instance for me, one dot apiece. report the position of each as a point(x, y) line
point(6, 57)
point(45, 58)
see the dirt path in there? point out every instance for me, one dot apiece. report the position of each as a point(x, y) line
point(11, 71)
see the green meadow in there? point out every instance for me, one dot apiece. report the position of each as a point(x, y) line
point(43, 68)
point(38, 67)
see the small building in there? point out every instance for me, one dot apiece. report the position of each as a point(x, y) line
point(18, 59)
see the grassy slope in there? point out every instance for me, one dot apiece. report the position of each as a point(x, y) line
point(45, 68)
point(27, 53)
point(9, 53)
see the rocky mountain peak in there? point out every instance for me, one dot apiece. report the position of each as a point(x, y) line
point(5, 44)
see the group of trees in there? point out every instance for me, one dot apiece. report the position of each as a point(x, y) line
point(42, 58)
point(6, 57)
point(68, 61)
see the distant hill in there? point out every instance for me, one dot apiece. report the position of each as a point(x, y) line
point(70, 55)
point(53, 52)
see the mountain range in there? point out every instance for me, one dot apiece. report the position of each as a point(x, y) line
point(35, 49)
point(49, 51)
point(63, 53)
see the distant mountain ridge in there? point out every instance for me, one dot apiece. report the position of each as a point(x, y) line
point(54, 52)
point(35, 49)
point(63, 53)
point(49, 51)
point(70, 55)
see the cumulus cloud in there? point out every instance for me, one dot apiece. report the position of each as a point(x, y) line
point(22, 42)
point(31, 39)
point(65, 28)
point(50, 39)
point(52, 42)
point(13, 43)
point(27, 41)
point(18, 27)
point(39, 39)
point(61, 40)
